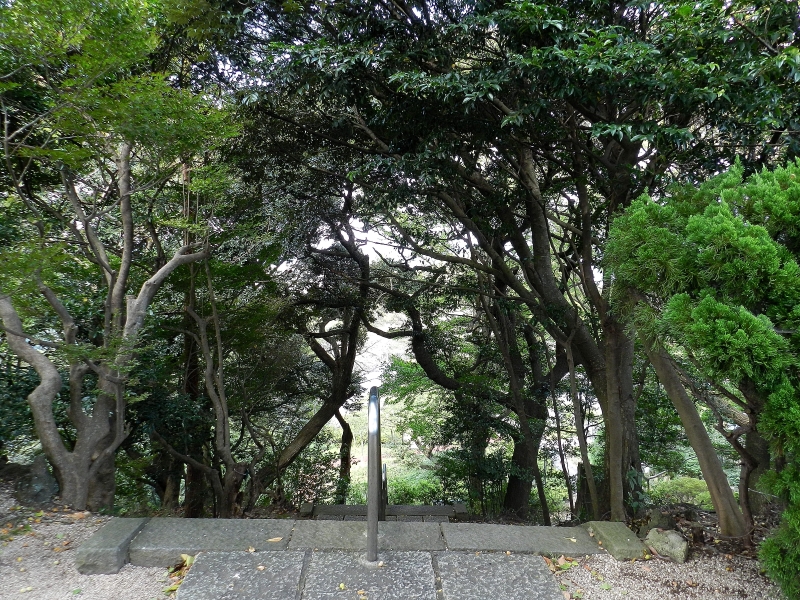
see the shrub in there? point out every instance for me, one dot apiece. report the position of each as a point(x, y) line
point(780, 554)
point(681, 490)
point(418, 486)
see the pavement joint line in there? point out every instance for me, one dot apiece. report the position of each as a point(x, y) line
point(437, 577)
point(301, 585)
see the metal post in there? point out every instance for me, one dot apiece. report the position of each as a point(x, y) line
point(373, 474)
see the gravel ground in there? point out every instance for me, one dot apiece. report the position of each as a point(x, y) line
point(700, 578)
point(36, 558)
point(36, 562)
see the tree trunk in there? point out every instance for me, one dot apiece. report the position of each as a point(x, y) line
point(731, 519)
point(757, 447)
point(343, 484)
point(622, 446)
point(520, 482)
point(580, 432)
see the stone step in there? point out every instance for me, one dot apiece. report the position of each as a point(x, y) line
point(161, 541)
point(341, 575)
point(398, 511)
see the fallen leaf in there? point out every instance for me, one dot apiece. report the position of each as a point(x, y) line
point(251, 549)
point(561, 560)
point(275, 539)
point(342, 586)
point(572, 540)
point(261, 567)
point(19, 559)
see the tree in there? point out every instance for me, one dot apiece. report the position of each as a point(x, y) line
point(525, 128)
point(715, 270)
point(88, 147)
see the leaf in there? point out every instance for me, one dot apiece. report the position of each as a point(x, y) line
point(550, 564)
point(605, 586)
point(572, 539)
point(275, 539)
point(173, 588)
point(342, 586)
point(251, 549)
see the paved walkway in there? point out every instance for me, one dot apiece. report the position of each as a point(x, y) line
point(325, 560)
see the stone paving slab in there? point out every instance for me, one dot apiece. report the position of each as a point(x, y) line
point(341, 575)
point(410, 509)
point(395, 510)
point(433, 519)
point(107, 550)
point(163, 540)
point(349, 535)
point(620, 541)
point(519, 538)
point(236, 576)
point(481, 576)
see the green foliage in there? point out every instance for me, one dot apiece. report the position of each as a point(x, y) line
point(780, 554)
point(716, 268)
point(681, 490)
point(313, 476)
point(477, 480)
point(417, 486)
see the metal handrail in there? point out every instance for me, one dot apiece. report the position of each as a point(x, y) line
point(376, 510)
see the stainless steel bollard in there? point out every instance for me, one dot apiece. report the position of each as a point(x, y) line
point(374, 486)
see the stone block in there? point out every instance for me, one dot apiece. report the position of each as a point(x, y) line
point(37, 487)
point(495, 575)
point(163, 540)
point(107, 550)
point(571, 541)
point(460, 511)
point(658, 520)
point(435, 519)
point(668, 543)
point(419, 510)
point(352, 536)
point(617, 539)
point(306, 509)
point(396, 576)
point(243, 576)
